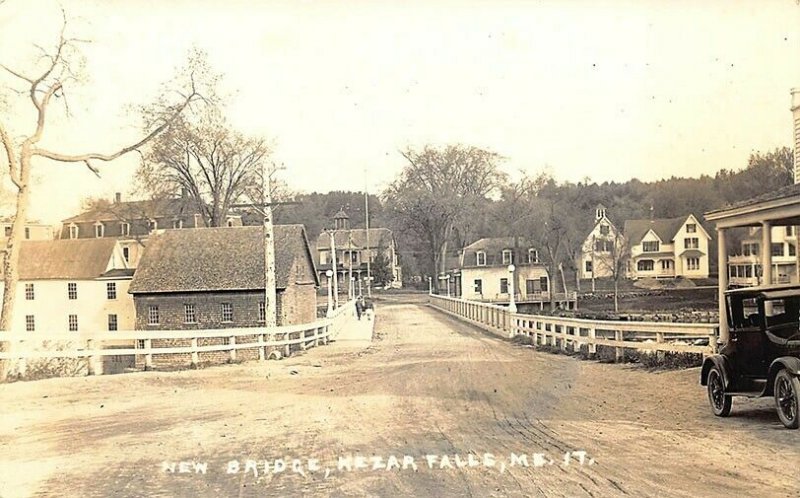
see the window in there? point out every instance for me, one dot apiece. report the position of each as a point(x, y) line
point(691, 243)
point(124, 228)
point(112, 323)
point(750, 249)
point(650, 246)
point(227, 312)
point(480, 258)
point(692, 263)
point(777, 249)
point(792, 250)
point(508, 257)
point(126, 253)
point(111, 290)
point(30, 323)
point(27, 233)
point(478, 286)
point(789, 231)
point(533, 256)
point(152, 225)
point(99, 230)
point(152, 315)
point(29, 292)
point(354, 257)
point(604, 229)
point(73, 231)
point(645, 265)
point(691, 228)
point(323, 257)
point(73, 323)
point(532, 286)
point(72, 290)
point(188, 314)
point(666, 264)
point(543, 283)
point(589, 267)
point(602, 245)
point(230, 223)
point(262, 311)
point(177, 223)
point(7, 231)
point(503, 286)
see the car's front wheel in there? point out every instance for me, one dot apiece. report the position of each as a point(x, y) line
point(787, 399)
point(720, 402)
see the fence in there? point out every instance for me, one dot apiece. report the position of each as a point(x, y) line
point(571, 333)
point(93, 345)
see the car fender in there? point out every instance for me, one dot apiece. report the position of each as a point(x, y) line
point(789, 363)
point(716, 360)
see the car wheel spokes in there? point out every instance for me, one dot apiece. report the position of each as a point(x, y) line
point(786, 399)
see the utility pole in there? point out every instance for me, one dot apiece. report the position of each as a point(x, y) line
point(334, 267)
point(270, 293)
point(369, 251)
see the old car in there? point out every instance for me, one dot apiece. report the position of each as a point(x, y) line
point(762, 355)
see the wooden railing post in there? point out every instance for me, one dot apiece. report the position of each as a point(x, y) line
point(232, 342)
point(288, 348)
point(148, 357)
point(592, 337)
point(712, 340)
point(22, 362)
point(619, 351)
point(563, 331)
point(660, 355)
point(262, 355)
point(195, 355)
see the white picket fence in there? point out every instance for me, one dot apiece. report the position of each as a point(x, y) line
point(571, 333)
point(93, 345)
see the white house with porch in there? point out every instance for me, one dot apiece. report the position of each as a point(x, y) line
point(598, 249)
point(744, 267)
point(667, 248)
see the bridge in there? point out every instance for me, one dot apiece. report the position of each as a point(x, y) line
point(432, 406)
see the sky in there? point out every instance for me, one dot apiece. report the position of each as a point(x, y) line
point(605, 90)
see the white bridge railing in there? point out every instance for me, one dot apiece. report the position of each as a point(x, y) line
point(94, 345)
point(571, 333)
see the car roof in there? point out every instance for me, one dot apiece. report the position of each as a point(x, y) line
point(768, 291)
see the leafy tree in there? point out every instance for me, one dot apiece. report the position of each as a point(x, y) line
point(381, 269)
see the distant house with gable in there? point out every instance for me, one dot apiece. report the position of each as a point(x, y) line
point(484, 275)
point(354, 248)
point(73, 286)
point(598, 248)
point(33, 230)
point(672, 247)
point(212, 278)
point(132, 222)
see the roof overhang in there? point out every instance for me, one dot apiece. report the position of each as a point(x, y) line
point(779, 212)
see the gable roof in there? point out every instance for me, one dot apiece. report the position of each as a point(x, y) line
point(493, 247)
point(71, 259)
point(219, 259)
point(664, 228)
point(342, 238)
point(135, 210)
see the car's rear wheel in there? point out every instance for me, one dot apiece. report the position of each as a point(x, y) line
point(720, 402)
point(787, 399)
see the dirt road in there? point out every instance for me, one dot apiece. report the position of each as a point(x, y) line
point(427, 386)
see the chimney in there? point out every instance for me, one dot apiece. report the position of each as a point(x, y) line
point(117, 197)
point(796, 118)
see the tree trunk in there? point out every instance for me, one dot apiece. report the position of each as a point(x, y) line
point(11, 260)
point(616, 295)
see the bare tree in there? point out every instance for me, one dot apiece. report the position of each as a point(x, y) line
point(437, 187)
point(204, 157)
point(612, 260)
point(58, 69)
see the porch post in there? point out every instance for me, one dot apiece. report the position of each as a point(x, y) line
point(766, 252)
point(722, 263)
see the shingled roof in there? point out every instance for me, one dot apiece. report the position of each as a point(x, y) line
point(218, 259)
point(781, 193)
point(665, 228)
point(493, 247)
point(74, 259)
point(377, 237)
point(134, 210)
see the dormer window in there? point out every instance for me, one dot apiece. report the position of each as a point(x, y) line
point(480, 258)
point(124, 228)
point(650, 246)
point(604, 229)
point(533, 256)
point(692, 228)
point(152, 225)
point(99, 230)
point(73, 231)
point(508, 256)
